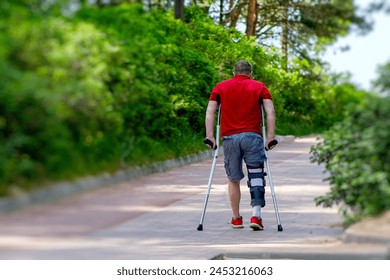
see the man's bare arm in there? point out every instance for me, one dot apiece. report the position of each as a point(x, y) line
point(270, 112)
point(210, 120)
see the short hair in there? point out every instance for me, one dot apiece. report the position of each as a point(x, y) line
point(243, 67)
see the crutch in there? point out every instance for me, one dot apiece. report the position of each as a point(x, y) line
point(208, 142)
point(271, 144)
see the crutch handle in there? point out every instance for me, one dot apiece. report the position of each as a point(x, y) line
point(208, 142)
point(271, 144)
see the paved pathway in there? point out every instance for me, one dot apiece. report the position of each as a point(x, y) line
point(156, 216)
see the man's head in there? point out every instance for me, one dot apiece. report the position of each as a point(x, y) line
point(243, 67)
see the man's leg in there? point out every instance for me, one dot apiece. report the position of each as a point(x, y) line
point(254, 158)
point(233, 167)
point(256, 184)
point(234, 197)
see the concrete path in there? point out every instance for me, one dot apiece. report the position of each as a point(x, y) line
point(156, 216)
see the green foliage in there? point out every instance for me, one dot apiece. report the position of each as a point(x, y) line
point(382, 83)
point(118, 86)
point(57, 114)
point(356, 153)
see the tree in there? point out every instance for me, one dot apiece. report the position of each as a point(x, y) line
point(251, 18)
point(305, 27)
point(382, 83)
point(235, 11)
point(179, 9)
point(300, 28)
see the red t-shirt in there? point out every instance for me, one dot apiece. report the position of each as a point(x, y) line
point(240, 104)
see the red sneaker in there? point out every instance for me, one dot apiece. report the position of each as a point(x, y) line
point(237, 223)
point(256, 223)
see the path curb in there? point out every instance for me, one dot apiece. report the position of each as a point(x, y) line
point(305, 256)
point(373, 230)
point(61, 190)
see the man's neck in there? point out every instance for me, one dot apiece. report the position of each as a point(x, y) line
point(249, 76)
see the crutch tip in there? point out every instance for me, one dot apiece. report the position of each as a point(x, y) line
point(200, 227)
point(280, 228)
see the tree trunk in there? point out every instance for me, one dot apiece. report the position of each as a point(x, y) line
point(234, 14)
point(99, 3)
point(220, 12)
point(251, 19)
point(284, 38)
point(179, 9)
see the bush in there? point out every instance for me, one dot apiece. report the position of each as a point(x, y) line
point(57, 118)
point(118, 86)
point(356, 153)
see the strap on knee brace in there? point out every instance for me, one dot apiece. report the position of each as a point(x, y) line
point(256, 184)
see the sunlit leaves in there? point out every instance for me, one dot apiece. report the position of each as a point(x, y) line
point(356, 156)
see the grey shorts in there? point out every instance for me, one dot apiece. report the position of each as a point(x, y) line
point(247, 146)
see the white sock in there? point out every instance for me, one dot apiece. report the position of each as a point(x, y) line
point(256, 211)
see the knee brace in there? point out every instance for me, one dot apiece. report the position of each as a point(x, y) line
point(256, 184)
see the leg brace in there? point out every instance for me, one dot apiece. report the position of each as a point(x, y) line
point(256, 184)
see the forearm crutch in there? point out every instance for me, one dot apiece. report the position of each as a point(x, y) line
point(273, 143)
point(208, 142)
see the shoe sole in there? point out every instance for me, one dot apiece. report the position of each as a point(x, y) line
point(256, 227)
point(239, 226)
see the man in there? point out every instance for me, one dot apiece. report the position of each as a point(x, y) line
point(240, 98)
